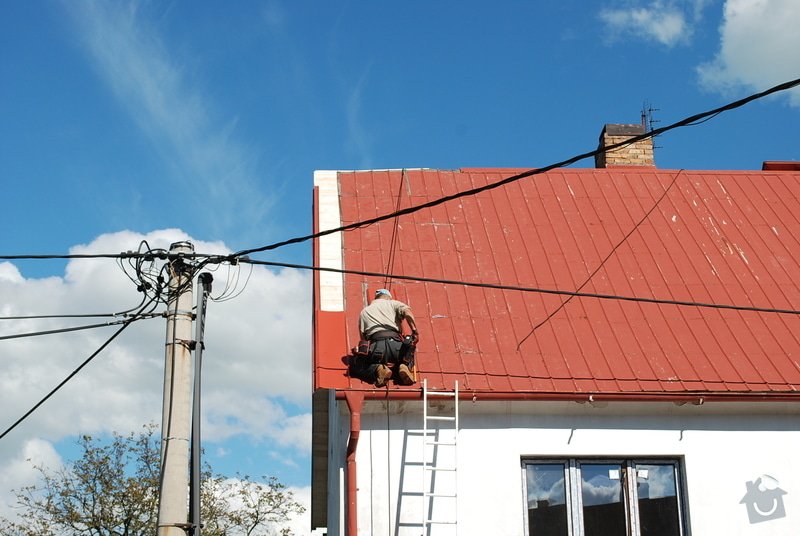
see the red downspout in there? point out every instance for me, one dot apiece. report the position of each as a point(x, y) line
point(355, 401)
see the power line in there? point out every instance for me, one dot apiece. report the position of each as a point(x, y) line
point(77, 328)
point(688, 121)
point(90, 315)
point(693, 120)
point(537, 290)
point(605, 259)
point(395, 227)
point(70, 256)
point(125, 313)
point(72, 374)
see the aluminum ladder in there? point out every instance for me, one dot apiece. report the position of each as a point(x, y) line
point(439, 449)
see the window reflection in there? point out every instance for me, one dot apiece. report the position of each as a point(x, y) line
point(547, 508)
point(600, 497)
point(603, 506)
point(658, 499)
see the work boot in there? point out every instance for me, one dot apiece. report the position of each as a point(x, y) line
point(382, 375)
point(404, 375)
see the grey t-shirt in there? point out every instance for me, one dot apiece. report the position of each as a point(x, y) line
point(381, 315)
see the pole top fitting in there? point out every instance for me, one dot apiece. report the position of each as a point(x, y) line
point(185, 244)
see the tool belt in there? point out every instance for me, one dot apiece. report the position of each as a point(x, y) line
point(380, 349)
point(385, 334)
point(365, 351)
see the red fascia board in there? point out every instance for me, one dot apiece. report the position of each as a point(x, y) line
point(494, 396)
point(328, 326)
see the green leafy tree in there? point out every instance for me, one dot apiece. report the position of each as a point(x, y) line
point(112, 490)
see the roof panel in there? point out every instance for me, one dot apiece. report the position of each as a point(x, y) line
point(707, 236)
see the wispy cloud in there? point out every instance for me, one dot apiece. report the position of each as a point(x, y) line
point(758, 47)
point(131, 57)
point(358, 139)
point(274, 16)
point(668, 23)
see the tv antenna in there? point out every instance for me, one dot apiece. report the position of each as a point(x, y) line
point(648, 119)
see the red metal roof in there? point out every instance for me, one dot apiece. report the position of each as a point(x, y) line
point(720, 237)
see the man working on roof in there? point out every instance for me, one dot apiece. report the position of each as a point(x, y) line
point(380, 324)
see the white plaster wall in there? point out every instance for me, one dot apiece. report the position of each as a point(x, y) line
point(722, 445)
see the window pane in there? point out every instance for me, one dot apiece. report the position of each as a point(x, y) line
point(603, 504)
point(547, 499)
point(658, 500)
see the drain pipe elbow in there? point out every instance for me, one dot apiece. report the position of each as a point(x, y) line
point(355, 401)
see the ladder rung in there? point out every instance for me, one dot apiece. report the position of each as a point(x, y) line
point(445, 443)
point(436, 522)
point(441, 393)
point(440, 495)
point(440, 418)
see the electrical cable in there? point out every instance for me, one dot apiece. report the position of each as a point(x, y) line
point(234, 293)
point(688, 121)
point(75, 328)
point(538, 290)
point(39, 317)
point(69, 256)
point(229, 279)
point(603, 262)
point(393, 243)
point(125, 313)
point(692, 120)
point(72, 374)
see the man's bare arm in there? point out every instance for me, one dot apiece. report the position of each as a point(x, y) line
point(412, 323)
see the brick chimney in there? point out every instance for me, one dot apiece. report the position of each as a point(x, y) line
point(639, 153)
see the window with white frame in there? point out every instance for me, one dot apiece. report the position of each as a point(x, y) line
point(603, 497)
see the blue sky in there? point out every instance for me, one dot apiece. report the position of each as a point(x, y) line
point(169, 120)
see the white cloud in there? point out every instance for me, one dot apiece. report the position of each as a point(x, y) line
point(545, 489)
point(301, 524)
point(599, 490)
point(660, 482)
point(151, 84)
point(19, 471)
point(663, 22)
point(758, 47)
point(298, 523)
point(10, 273)
point(257, 355)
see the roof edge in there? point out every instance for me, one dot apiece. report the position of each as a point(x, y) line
point(695, 398)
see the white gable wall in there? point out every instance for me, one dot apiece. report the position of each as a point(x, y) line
point(721, 445)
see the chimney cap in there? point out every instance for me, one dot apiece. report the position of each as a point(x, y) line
point(780, 165)
point(623, 130)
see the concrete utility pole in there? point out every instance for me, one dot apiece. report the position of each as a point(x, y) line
point(173, 506)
